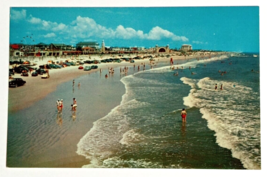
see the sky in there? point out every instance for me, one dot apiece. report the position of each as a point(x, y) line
point(211, 28)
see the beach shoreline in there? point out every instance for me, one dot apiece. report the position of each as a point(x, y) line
point(36, 88)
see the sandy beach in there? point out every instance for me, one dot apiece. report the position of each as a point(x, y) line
point(37, 88)
point(27, 101)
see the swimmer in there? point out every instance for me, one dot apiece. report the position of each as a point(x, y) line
point(79, 84)
point(183, 115)
point(215, 86)
point(106, 76)
point(74, 105)
point(58, 103)
point(221, 87)
point(61, 105)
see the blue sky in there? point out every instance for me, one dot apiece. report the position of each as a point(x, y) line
point(211, 28)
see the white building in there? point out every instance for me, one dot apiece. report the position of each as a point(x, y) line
point(186, 47)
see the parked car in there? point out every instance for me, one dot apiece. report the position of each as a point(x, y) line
point(137, 57)
point(87, 68)
point(34, 73)
point(24, 74)
point(94, 67)
point(58, 66)
point(126, 59)
point(131, 61)
point(19, 69)
point(40, 71)
point(45, 76)
point(11, 72)
point(117, 60)
point(72, 63)
point(43, 66)
point(52, 66)
point(16, 82)
point(88, 61)
point(80, 67)
point(66, 64)
point(103, 61)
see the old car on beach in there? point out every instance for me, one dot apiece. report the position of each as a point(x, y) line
point(15, 82)
point(35, 73)
point(87, 68)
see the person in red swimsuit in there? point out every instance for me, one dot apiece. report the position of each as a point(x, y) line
point(183, 115)
point(61, 105)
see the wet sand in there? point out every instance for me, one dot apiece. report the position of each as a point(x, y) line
point(37, 88)
point(62, 152)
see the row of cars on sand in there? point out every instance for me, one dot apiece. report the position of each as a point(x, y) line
point(25, 69)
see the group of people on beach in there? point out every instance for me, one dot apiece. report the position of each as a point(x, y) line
point(216, 87)
point(59, 105)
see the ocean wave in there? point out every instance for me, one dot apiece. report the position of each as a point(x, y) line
point(233, 113)
point(191, 64)
point(108, 134)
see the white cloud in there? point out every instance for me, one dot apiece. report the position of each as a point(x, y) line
point(127, 33)
point(50, 35)
point(59, 27)
point(34, 20)
point(17, 15)
point(47, 25)
point(85, 27)
point(158, 33)
point(199, 42)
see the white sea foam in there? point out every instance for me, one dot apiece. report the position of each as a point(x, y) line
point(230, 114)
point(132, 137)
point(192, 64)
point(110, 132)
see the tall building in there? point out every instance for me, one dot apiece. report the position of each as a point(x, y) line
point(88, 44)
point(102, 47)
point(186, 47)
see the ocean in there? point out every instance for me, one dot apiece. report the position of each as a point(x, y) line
point(137, 123)
point(145, 131)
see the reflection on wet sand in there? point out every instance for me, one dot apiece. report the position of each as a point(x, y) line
point(73, 116)
point(59, 118)
point(183, 129)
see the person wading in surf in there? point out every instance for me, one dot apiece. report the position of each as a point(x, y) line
point(183, 115)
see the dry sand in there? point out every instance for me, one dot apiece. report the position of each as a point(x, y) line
point(37, 88)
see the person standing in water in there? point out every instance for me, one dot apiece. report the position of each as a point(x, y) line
point(183, 115)
point(58, 104)
point(221, 87)
point(61, 105)
point(74, 105)
point(215, 86)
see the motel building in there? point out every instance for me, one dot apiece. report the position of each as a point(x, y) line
point(186, 47)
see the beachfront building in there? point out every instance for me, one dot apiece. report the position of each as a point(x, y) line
point(102, 47)
point(119, 49)
point(16, 53)
point(87, 50)
point(81, 45)
point(41, 46)
point(186, 47)
point(53, 46)
point(165, 49)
